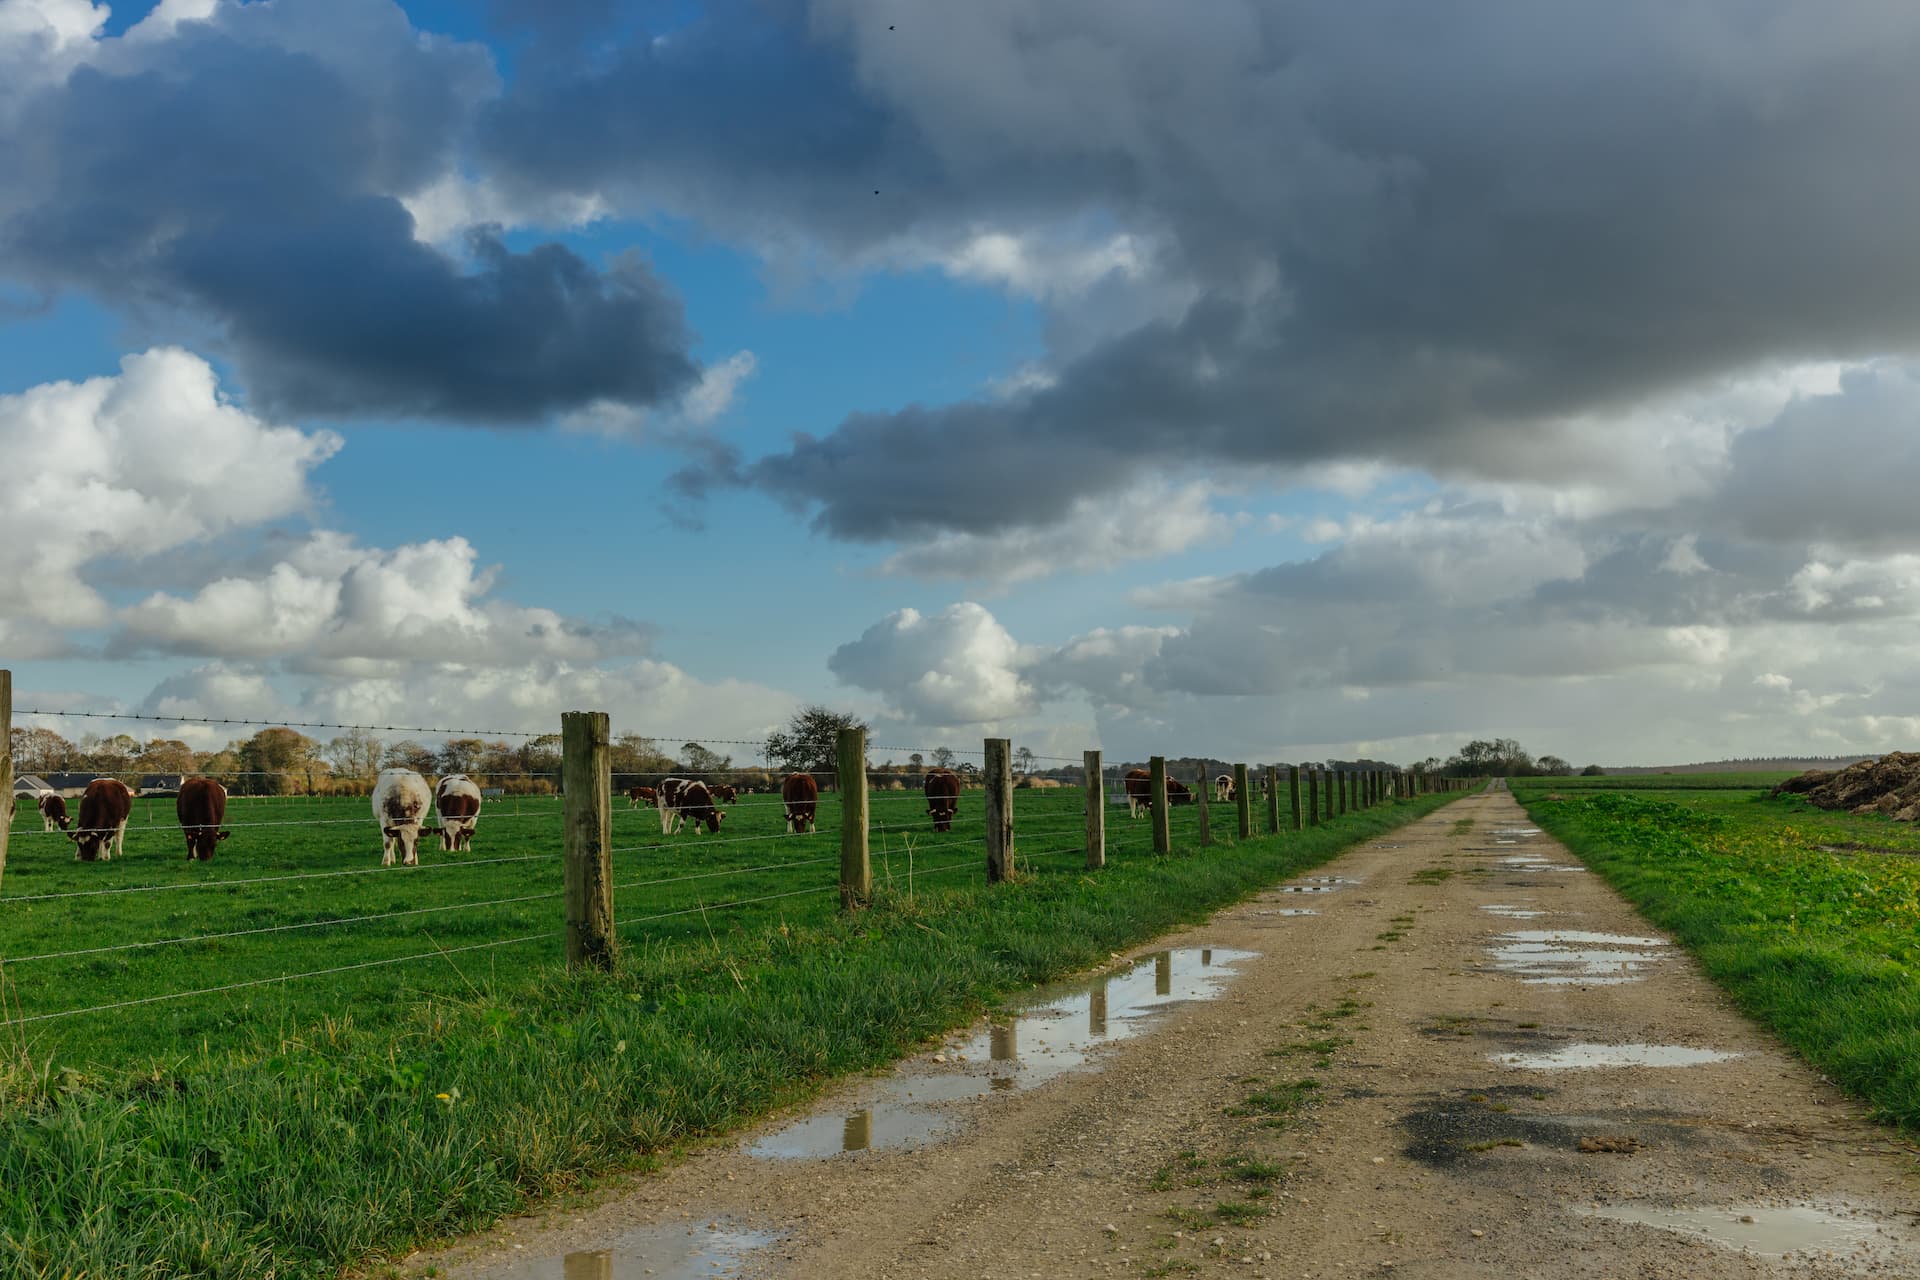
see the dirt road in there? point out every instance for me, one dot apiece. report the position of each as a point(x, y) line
point(1386, 1088)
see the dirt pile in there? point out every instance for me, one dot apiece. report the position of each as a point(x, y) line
point(1889, 785)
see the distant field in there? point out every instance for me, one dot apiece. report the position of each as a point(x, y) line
point(1757, 780)
point(1810, 918)
point(287, 887)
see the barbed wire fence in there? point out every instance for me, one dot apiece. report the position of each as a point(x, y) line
point(585, 828)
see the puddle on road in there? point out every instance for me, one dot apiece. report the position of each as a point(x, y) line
point(1563, 957)
point(1289, 911)
point(1573, 1056)
point(1523, 832)
point(1512, 912)
point(1318, 884)
point(1050, 1032)
point(715, 1249)
point(1758, 1229)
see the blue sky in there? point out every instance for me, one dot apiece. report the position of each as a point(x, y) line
point(1169, 395)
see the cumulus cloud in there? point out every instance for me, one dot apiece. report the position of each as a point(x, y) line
point(956, 667)
point(245, 171)
point(133, 477)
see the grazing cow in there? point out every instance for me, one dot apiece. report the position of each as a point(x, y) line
point(1223, 787)
point(458, 802)
point(53, 811)
point(802, 796)
point(666, 797)
point(201, 807)
point(103, 820)
point(722, 793)
point(1139, 786)
point(400, 804)
point(943, 797)
point(694, 800)
point(637, 796)
point(1177, 793)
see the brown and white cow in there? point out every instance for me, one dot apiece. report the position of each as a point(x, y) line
point(201, 807)
point(1223, 787)
point(53, 811)
point(637, 796)
point(665, 796)
point(693, 800)
point(802, 796)
point(457, 800)
point(400, 804)
point(1139, 787)
point(943, 797)
point(722, 793)
point(103, 820)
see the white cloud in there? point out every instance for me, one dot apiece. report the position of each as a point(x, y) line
point(956, 667)
point(709, 398)
point(1148, 522)
point(131, 465)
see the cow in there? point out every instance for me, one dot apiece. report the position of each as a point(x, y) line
point(943, 797)
point(722, 793)
point(637, 796)
point(201, 807)
point(1139, 787)
point(1223, 787)
point(53, 811)
point(103, 820)
point(400, 804)
point(693, 800)
point(802, 796)
point(457, 801)
point(665, 798)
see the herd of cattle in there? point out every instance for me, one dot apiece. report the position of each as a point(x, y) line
point(402, 803)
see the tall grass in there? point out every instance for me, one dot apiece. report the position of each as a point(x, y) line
point(338, 1143)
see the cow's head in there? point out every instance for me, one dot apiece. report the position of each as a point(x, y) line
point(715, 816)
point(405, 837)
point(88, 843)
point(202, 841)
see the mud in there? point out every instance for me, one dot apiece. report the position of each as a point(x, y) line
point(1333, 1112)
point(1598, 1056)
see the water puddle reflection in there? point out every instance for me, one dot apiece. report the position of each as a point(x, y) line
point(1567, 957)
point(1511, 912)
point(713, 1249)
point(1049, 1033)
point(1767, 1231)
point(1574, 1056)
point(1289, 911)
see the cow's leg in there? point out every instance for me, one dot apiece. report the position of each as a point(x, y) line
point(386, 849)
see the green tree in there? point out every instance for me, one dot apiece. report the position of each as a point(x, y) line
point(943, 757)
point(1024, 758)
point(164, 755)
point(276, 762)
point(810, 742)
point(698, 760)
point(408, 754)
point(355, 754)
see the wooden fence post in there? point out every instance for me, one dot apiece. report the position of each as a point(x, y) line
point(586, 776)
point(1157, 795)
point(1243, 801)
point(1326, 785)
point(1203, 797)
point(6, 765)
point(1293, 785)
point(1096, 812)
point(999, 778)
point(1313, 797)
point(1273, 799)
point(856, 871)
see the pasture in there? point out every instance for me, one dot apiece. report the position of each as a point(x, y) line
point(1757, 780)
point(297, 1129)
point(299, 889)
point(1810, 918)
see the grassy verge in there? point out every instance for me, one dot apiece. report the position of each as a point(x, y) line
point(1811, 920)
point(335, 1143)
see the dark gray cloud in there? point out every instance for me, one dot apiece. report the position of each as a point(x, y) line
point(244, 176)
point(1413, 232)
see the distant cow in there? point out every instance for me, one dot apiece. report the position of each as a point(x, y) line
point(53, 811)
point(201, 807)
point(458, 802)
point(943, 797)
point(637, 796)
point(103, 820)
point(1223, 787)
point(722, 793)
point(802, 796)
point(692, 800)
point(400, 804)
point(1139, 787)
point(666, 796)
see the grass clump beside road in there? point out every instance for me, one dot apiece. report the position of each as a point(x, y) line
point(321, 1142)
point(1810, 919)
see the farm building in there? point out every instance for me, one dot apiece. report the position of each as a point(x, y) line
point(31, 784)
point(161, 784)
point(71, 784)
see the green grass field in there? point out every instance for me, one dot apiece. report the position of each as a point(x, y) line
point(298, 888)
point(300, 1128)
point(1810, 919)
point(1757, 781)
